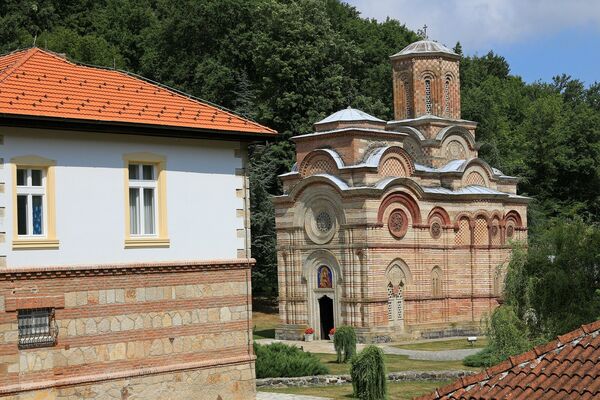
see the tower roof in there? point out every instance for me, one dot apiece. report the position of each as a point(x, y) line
point(347, 115)
point(425, 47)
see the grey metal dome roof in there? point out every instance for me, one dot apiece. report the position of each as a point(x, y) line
point(425, 47)
point(347, 115)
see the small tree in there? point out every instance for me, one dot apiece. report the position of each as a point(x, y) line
point(368, 374)
point(344, 342)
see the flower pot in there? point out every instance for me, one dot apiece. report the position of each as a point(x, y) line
point(331, 337)
point(308, 337)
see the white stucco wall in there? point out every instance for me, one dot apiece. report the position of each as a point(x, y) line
point(90, 215)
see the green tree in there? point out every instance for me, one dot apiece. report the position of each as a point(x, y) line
point(368, 374)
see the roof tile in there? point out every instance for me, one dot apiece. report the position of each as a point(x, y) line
point(564, 369)
point(39, 83)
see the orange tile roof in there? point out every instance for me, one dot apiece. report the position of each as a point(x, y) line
point(566, 368)
point(39, 83)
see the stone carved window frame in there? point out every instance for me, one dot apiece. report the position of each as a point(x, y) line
point(397, 274)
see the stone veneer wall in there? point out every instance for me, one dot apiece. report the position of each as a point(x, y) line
point(156, 331)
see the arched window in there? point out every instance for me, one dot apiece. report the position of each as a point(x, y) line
point(428, 95)
point(407, 98)
point(436, 282)
point(447, 107)
point(395, 302)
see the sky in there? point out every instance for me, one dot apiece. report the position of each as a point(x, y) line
point(539, 38)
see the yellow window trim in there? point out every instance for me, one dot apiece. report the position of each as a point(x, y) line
point(162, 239)
point(147, 242)
point(49, 241)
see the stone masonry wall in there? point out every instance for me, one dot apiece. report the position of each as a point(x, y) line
point(134, 325)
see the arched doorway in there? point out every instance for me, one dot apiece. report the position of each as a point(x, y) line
point(326, 315)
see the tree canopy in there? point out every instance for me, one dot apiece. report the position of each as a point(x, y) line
point(288, 63)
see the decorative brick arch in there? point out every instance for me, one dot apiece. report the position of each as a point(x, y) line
point(402, 198)
point(318, 163)
point(512, 223)
point(441, 214)
point(475, 178)
point(514, 215)
point(396, 162)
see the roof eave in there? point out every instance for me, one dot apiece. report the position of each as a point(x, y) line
point(99, 126)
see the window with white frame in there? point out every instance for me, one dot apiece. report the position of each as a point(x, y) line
point(142, 199)
point(31, 202)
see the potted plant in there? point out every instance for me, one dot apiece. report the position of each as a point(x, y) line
point(308, 334)
point(331, 333)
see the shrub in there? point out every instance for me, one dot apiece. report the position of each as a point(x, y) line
point(482, 358)
point(344, 342)
point(507, 337)
point(368, 374)
point(278, 360)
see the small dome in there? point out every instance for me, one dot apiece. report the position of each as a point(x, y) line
point(347, 115)
point(425, 47)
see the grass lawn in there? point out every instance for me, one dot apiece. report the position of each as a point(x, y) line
point(395, 363)
point(454, 344)
point(264, 324)
point(400, 390)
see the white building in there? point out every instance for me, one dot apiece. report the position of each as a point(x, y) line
point(123, 200)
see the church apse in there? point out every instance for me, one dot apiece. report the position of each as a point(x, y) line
point(396, 228)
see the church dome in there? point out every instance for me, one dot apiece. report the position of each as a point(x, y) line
point(347, 115)
point(425, 47)
point(349, 118)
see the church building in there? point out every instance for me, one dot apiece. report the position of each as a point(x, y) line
point(396, 228)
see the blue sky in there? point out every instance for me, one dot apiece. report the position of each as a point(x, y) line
point(539, 38)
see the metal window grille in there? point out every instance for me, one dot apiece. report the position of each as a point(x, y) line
point(428, 96)
point(37, 328)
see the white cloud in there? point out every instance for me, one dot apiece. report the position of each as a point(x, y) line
point(479, 24)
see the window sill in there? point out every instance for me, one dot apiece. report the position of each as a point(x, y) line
point(35, 244)
point(147, 242)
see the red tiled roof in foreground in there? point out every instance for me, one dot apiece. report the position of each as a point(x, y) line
point(566, 368)
point(38, 83)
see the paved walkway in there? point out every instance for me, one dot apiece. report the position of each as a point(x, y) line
point(443, 355)
point(325, 346)
point(283, 396)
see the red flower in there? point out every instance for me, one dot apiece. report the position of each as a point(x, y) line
point(332, 331)
point(309, 331)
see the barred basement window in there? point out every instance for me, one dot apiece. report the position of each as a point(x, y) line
point(37, 328)
point(428, 96)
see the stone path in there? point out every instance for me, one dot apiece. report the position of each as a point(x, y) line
point(325, 346)
point(443, 355)
point(283, 396)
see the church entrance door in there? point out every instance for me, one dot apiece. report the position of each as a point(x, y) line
point(326, 316)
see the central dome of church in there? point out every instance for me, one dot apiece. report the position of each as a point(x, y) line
point(425, 46)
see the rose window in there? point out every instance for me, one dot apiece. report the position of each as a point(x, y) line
point(398, 223)
point(436, 230)
point(324, 222)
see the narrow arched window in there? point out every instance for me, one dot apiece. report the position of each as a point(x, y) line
point(407, 99)
point(428, 95)
point(436, 282)
point(447, 105)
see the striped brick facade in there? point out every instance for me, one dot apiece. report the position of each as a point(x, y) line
point(415, 229)
point(168, 330)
